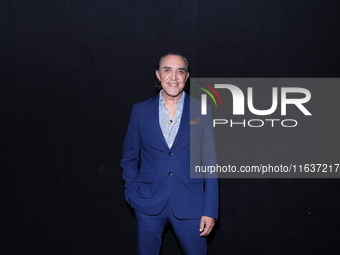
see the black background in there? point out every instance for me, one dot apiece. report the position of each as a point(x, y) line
point(70, 72)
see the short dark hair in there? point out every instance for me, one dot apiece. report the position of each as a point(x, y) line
point(174, 54)
point(157, 82)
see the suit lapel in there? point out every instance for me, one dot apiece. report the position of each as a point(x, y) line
point(184, 120)
point(188, 110)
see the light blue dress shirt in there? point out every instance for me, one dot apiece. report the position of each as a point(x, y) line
point(169, 126)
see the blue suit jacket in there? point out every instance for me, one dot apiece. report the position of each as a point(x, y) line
point(153, 173)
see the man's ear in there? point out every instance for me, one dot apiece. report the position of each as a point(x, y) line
point(187, 76)
point(157, 75)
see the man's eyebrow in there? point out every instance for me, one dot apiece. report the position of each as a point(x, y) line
point(180, 68)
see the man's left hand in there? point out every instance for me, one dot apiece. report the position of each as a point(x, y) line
point(207, 224)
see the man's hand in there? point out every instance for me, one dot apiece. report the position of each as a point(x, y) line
point(207, 224)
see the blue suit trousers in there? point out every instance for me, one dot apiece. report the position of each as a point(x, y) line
point(150, 229)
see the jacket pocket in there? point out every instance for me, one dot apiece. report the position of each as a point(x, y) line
point(145, 178)
point(144, 186)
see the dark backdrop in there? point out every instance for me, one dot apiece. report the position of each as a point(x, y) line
point(70, 72)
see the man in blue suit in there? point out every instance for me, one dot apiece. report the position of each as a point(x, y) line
point(157, 157)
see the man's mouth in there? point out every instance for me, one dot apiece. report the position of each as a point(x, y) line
point(173, 84)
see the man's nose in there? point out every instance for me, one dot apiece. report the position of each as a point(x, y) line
point(174, 75)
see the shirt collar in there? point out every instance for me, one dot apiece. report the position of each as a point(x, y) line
point(179, 104)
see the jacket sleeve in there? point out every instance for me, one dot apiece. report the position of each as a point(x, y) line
point(131, 158)
point(209, 158)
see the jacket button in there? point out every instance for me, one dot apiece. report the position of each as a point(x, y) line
point(170, 173)
point(170, 153)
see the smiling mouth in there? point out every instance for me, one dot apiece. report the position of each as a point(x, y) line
point(173, 84)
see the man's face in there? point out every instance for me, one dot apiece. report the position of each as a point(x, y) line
point(172, 75)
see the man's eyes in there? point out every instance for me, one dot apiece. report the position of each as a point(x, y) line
point(181, 72)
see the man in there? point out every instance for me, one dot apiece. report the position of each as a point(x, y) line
point(156, 164)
